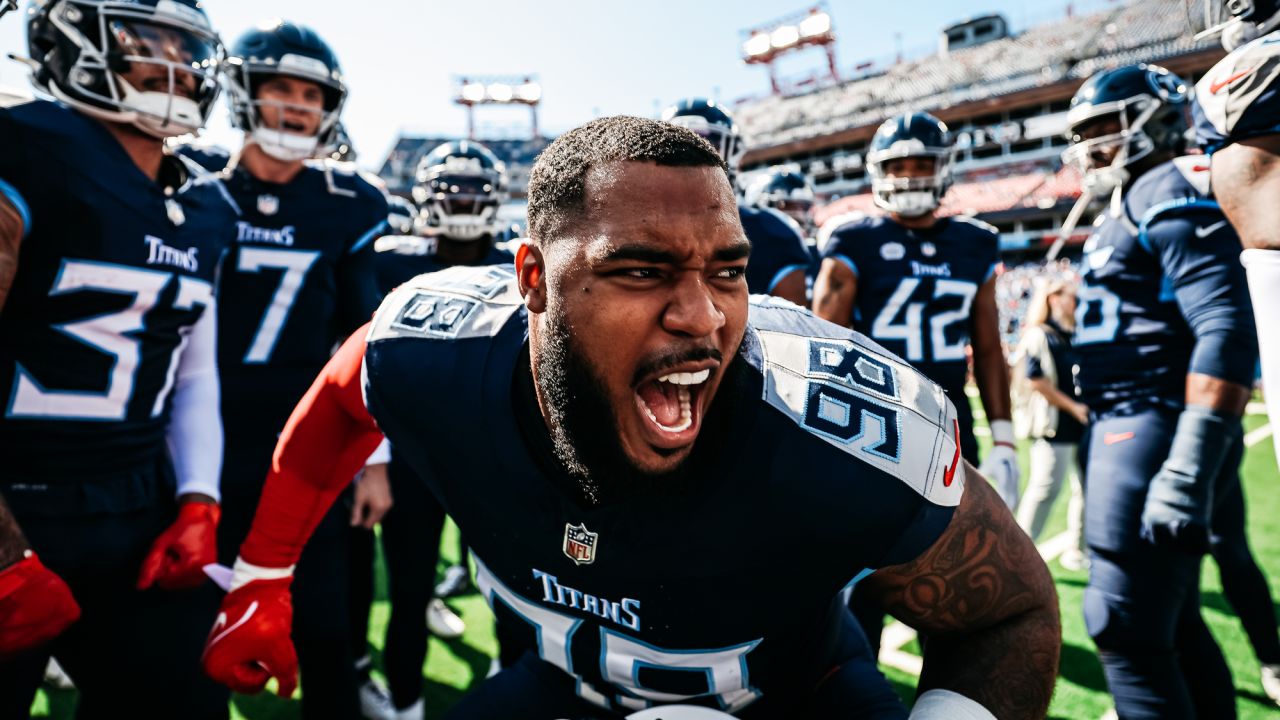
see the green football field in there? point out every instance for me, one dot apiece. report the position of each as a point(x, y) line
point(453, 667)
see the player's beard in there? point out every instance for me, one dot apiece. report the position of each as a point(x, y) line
point(584, 426)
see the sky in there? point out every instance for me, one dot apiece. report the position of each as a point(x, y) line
point(401, 57)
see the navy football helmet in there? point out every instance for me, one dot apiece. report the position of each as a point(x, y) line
point(913, 135)
point(1236, 22)
point(786, 191)
point(280, 47)
point(459, 187)
point(711, 121)
point(1121, 116)
point(149, 63)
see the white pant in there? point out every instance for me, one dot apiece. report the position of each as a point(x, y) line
point(1050, 462)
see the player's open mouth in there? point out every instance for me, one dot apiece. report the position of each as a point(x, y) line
point(671, 406)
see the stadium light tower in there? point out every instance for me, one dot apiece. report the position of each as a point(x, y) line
point(764, 44)
point(471, 91)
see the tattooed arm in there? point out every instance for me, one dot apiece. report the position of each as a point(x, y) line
point(985, 600)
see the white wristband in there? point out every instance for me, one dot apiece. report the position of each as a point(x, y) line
point(243, 573)
point(381, 454)
point(939, 704)
point(1002, 432)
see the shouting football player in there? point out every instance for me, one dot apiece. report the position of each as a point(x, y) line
point(110, 432)
point(644, 462)
point(1166, 351)
point(780, 259)
point(298, 278)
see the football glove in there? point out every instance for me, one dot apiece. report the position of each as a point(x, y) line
point(177, 557)
point(1179, 505)
point(35, 606)
point(250, 642)
point(1001, 465)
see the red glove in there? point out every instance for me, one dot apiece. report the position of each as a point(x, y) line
point(35, 606)
point(177, 558)
point(250, 642)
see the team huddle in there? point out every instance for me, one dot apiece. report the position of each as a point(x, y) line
point(224, 367)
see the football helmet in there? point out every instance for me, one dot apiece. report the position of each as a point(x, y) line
point(1235, 22)
point(280, 47)
point(458, 188)
point(786, 191)
point(910, 135)
point(711, 121)
point(1146, 107)
point(149, 63)
point(340, 148)
point(401, 215)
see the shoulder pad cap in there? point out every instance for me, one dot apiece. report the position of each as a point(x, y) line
point(836, 224)
point(453, 304)
point(844, 389)
point(976, 223)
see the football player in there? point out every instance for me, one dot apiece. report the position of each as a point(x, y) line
point(780, 259)
point(659, 461)
point(458, 190)
point(297, 279)
point(110, 431)
point(1166, 349)
point(923, 286)
point(1237, 113)
point(786, 191)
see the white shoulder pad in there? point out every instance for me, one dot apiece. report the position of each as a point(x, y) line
point(453, 304)
point(1196, 169)
point(859, 398)
point(1232, 86)
point(976, 223)
point(835, 223)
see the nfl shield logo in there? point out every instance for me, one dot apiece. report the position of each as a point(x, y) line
point(929, 249)
point(580, 544)
point(268, 204)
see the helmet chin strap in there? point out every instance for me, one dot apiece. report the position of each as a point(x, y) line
point(284, 146)
point(1237, 33)
point(912, 203)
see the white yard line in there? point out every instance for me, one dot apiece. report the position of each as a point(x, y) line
point(1255, 408)
point(1257, 435)
point(896, 635)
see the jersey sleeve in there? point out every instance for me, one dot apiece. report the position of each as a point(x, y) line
point(358, 290)
point(1199, 255)
point(327, 440)
point(836, 241)
point(1239, 98)
point(782, 249)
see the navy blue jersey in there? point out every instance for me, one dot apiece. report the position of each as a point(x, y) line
point(1168, 261)
point(830, 458)
point(400, 258)
point(916, 287)
point(1239, 98)
point(298, 278)
point(112, 274)
point(777, 248)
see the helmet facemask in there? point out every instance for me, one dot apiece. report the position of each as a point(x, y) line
point(726, 141)
point(1234, 22)
point(133, 66)
point(243, 80)
point(459, 203)
point(1127, 145)
point(909, 196)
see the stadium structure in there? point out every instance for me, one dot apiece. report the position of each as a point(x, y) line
point(1004, 96)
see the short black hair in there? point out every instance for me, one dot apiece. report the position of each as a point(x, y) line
point(557, 183)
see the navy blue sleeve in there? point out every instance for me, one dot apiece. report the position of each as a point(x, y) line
point(1034, 368)
point(839, 246)
point(1200, 255)
point(358, 292)
point(777, 251)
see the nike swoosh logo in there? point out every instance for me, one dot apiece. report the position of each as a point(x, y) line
point(949, 475)
point(1216, 86)
point(1204, 232)
point(1113, 438)
point(222, 620)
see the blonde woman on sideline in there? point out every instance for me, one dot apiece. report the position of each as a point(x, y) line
point(1050, 414)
